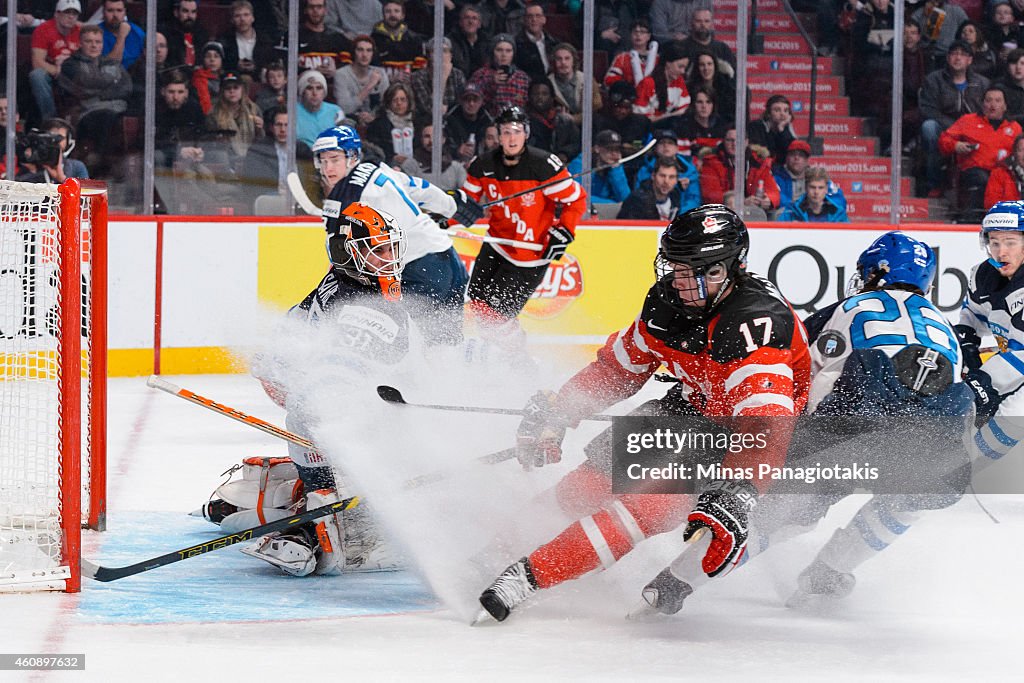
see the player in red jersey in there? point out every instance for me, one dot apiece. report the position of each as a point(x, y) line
point(736, 348)
point(505, 277)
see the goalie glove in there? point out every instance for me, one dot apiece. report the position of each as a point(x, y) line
point(559, 239)
point(467, 211)
point(540, 434)
point(986, 398)
point(722, 509)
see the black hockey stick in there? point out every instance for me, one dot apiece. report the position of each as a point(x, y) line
point(393, 395)
point(94, 571)
point(596, 169)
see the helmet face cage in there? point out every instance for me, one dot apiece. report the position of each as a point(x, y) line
point(713, 241)
point(894, 258)
point(370, 248)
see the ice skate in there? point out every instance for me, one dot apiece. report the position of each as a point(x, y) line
point(820, 586)
point(512, 587)
point(663, 595)
point(293, 553)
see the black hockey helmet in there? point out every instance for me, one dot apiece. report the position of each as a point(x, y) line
point(713, 241)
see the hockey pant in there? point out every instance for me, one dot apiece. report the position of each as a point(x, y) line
point(501, 285)
point(613, 525)
point(436, 284)
point(1004, 431)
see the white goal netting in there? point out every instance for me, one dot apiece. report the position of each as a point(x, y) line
point(33, 490)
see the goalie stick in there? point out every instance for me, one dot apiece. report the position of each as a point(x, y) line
point(393, 395)
point(255, 422)
point(274, 430)
point(99, 573)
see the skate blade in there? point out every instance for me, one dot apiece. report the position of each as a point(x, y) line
point(644, 612)
point(483, 618)
point(813, 603)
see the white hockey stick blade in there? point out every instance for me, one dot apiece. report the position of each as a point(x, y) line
point(300, 196)
point(467, 235)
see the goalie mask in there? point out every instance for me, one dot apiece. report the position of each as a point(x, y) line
point(701, 254)
point(369, 247)
point(895, 258)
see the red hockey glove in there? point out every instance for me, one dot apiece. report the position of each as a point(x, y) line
point(559, 239)
point(539, 439)
point(723, 508)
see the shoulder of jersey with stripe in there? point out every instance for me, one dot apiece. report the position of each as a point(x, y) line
point(754, 315)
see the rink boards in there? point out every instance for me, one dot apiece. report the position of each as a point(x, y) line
point(188, 291)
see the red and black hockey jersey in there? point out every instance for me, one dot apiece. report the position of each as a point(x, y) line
point(529, 217)
point(750, 359)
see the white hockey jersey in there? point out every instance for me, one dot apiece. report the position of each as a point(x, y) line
point(404, 197)
point(995, 305)
point(883, 320)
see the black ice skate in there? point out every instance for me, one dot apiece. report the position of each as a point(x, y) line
point(819, 586)
point(512, 587)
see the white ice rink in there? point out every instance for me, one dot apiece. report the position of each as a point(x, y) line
point(943, 603)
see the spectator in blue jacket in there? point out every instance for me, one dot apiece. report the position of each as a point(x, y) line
point(815, 205)
point(667, 146)
point(610, 186)
point(790, 176)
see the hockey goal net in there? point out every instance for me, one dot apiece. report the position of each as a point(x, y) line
point(52, 379)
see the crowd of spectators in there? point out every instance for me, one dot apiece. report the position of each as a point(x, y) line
point(221, 120)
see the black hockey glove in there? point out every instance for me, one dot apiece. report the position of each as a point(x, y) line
point(723, 509)
point(540, 434)
point(986, 398)
point(559, 239)
point(970, 342)
point(467, 211)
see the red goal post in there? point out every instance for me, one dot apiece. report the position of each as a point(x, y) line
point(53, 350)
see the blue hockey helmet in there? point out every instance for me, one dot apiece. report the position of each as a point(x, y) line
point(896, 258)
point(339, 138)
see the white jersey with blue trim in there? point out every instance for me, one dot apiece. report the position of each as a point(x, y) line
point(886, 320)
point(995, 305)
point(404, 197)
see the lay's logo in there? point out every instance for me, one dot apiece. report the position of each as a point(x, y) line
point(563, 284)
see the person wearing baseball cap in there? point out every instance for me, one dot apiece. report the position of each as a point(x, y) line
point(467, 123)
point(53, 41)
point(792, 177)
point(946, 95)
point(609, 185)
point(667, 147)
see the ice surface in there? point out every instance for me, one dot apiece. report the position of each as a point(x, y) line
point(943, 603)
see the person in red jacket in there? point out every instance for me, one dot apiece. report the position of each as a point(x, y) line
point(1006, 183)
point(737, 351)
point(718, 174)
point(980, 142)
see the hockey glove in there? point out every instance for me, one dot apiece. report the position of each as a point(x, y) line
point(539, 439)
point(986, 398)
point(723, 509)
point(467, 211)
point(970, 343)
point(559, 239)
